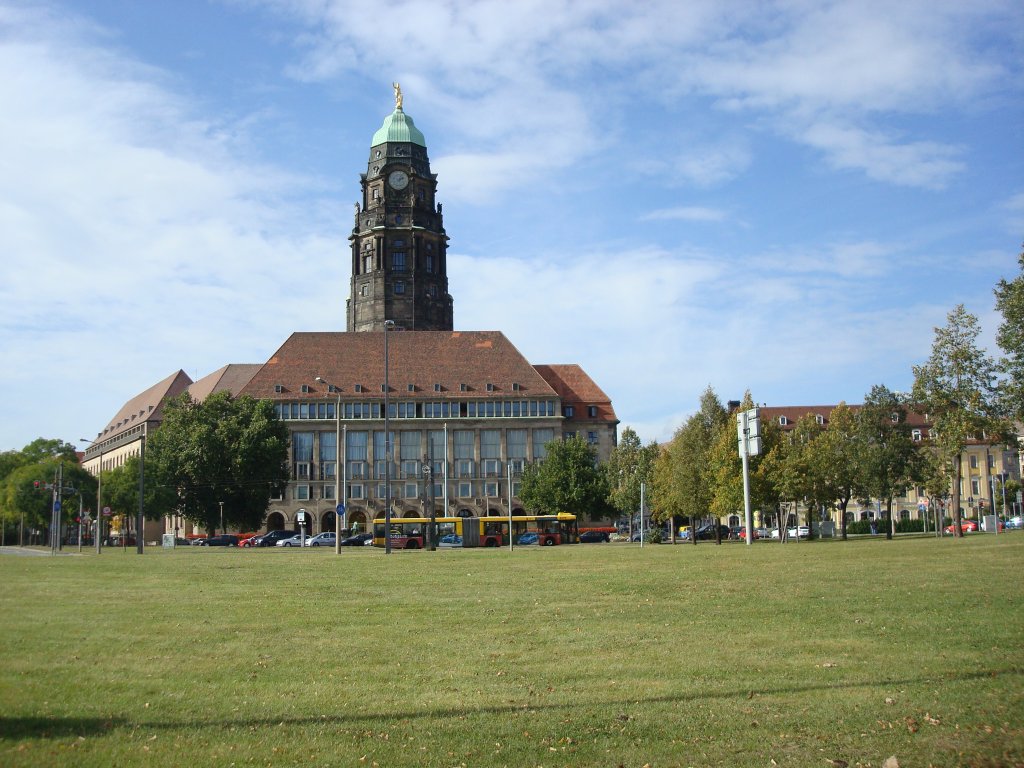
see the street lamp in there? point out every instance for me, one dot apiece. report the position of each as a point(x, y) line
point(222, 517)
point(339, 465)
point(388, 326)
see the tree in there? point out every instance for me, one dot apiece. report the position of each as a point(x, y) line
point(568, 480)
point(888, 456)
point(223, 449)
point(1010, 337)
point(629, 465)
point(680, 484)
point(724, 471)
point(42, 460)
point(956, 389)
point(838, 460)
point(799, 475)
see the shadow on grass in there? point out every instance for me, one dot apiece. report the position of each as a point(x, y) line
point(16, 728)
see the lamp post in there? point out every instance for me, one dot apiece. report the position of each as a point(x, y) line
point(339, 465)
point(140, 521)
point(388, 325)
point(221, 516)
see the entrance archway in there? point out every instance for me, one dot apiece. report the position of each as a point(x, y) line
point(275, 522)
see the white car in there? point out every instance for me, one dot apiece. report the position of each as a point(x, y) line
point(325, 539)
point(294, 541)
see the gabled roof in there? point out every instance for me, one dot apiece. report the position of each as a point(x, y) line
point(466, 364)
point(231, 378)
point(576, 388)
point(793, 413)
point(147, 406)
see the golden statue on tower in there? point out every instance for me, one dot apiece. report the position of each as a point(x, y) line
point(398, 95)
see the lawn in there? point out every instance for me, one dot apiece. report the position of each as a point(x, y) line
point(587, 655)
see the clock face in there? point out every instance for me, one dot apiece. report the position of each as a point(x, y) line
point(398, 180)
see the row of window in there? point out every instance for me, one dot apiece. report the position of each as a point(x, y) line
point(446, 409)
point(403, 490)
point(359, 470)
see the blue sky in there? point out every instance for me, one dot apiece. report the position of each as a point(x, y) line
point(781, 197)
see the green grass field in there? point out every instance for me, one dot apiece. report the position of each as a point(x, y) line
point(590, 655)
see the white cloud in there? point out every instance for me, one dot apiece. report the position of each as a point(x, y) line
point(686, 213)
point(822, 74)
point(133, 234)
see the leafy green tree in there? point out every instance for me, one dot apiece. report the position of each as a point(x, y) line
point(724, 472)
point(223, 449)
point(889, 457)
point(680, 482)
point(568, 480)
point(629, 465)
point(1010, 337)
point(956, 389)
point(799, 475)
point(838, 460)
point(43, 461)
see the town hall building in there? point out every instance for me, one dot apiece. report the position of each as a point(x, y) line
point(465, 410)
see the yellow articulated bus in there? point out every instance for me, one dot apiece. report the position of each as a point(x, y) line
point(542, 530)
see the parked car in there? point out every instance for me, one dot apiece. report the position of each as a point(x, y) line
point(223, 540)
point(803, 532)
point(528, 538)
point(270, 539)
point(967, 526)
point(1014, 524)
point(325, 539)
point(706, 532)
point(358, 540)
point(294, 541)
point(593, 537)
point(762, 533)
point(742, 533)
point(450, 540)
point(252, 541)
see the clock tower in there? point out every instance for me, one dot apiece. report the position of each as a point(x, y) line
point(399, 246)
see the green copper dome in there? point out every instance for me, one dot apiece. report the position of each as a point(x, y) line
point(398, 127)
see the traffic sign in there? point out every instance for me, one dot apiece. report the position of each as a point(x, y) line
point(56, 506)
point(340, 509)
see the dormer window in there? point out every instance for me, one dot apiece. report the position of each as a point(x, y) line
point(819, 419)
point(278, 388)
point(437, 388)
point(490, 387)
point(305, 388)
point(515, 386)
point(783, 421)
point(463, 388)
point(895, 418)
point(592, 411)
point(915, 435)
point(359, 387)
point(411, 388)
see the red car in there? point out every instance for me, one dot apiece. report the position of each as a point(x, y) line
point(967, 526)
point(743, 533)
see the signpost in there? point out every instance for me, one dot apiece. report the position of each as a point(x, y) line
point(301, 517)
point(748, 428)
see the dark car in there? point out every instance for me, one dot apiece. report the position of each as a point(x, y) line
point(593, 537)
point(357, 540)
point(224, 540)
point(706, 532)
point(271, 539)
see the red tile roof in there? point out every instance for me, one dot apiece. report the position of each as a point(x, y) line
point(576, 388)
point(470, 364)
point(146, 406)
point(231, 378)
